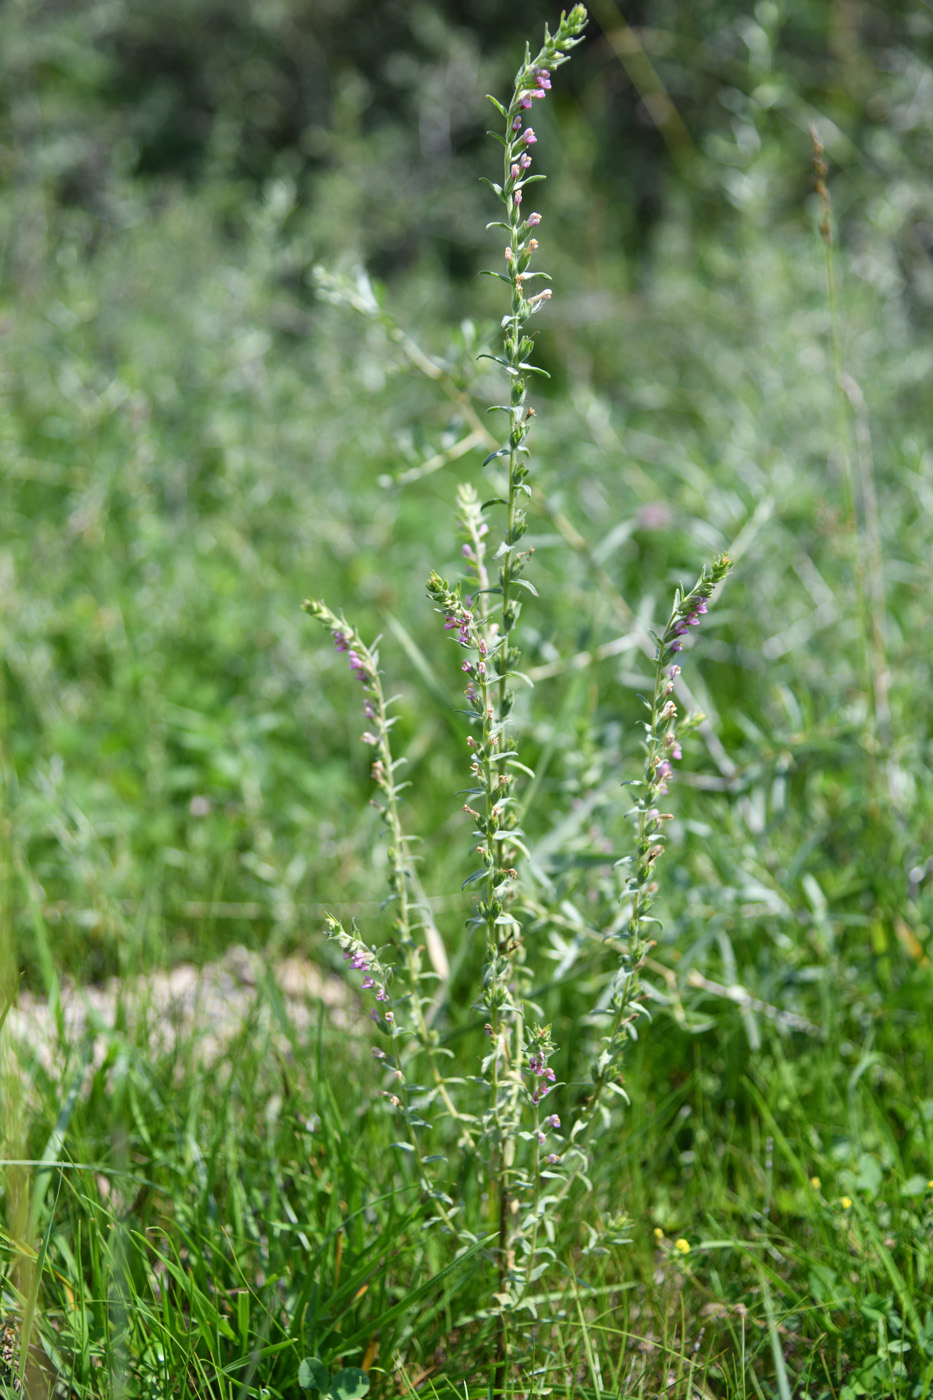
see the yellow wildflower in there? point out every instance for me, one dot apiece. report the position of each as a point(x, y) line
point(682, 1245)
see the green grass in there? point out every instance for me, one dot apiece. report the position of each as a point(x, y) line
point(193, 440)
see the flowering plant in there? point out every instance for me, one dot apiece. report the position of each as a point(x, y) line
point(504, 1115)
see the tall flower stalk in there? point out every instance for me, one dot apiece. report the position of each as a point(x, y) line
point(486, 626)
point(662, 750)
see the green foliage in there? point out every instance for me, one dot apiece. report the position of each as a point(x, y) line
point(193, 439)
point(348, 1384)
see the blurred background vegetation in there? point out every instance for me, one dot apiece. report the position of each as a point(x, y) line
point(194, 438)
point(195, 435)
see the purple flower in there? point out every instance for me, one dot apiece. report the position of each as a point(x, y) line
point(368, 982)
point(529, 137)
point(553, 1121)
point(382, 994)
point(340, 642)
point(468, 667)
point(526, 100)
point(517, 198)
point(369, 709)
point(368, 738)
point(692, 618)
point(360, 961)
point(533, 220)
point(517, 124)
point(524, 163)
point(541, 1137)
point(552, 1158)
point(537, 1066)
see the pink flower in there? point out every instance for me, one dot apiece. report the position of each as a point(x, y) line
point(529, 137)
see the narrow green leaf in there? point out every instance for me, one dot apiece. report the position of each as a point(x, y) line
point(499, 452)
point(477, 875)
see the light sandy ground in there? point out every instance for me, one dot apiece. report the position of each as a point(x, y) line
point(202, 1007)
